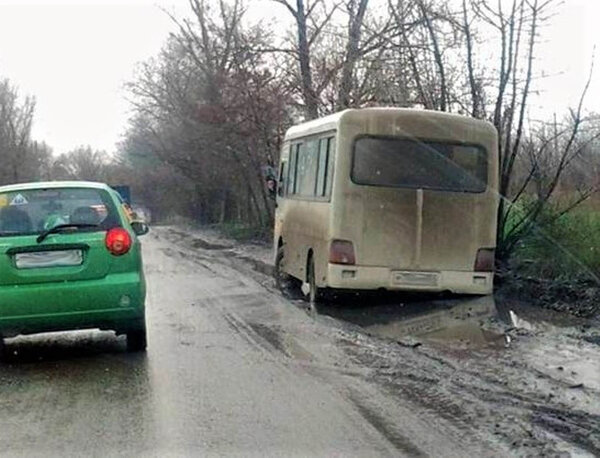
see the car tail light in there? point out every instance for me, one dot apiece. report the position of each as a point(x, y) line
point(341, 252)
point(118, 241)
point(485, 260)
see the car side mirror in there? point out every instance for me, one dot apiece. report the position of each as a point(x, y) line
point(140, 228)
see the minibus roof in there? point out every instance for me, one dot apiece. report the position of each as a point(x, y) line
point(330, 122)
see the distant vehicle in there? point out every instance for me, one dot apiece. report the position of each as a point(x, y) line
point(387, 198)
point(124, 191)
point(142, 213)
point(70, 260)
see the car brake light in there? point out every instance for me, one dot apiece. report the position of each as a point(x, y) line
point(341, 252)
point(118, 241)
point(485, 260)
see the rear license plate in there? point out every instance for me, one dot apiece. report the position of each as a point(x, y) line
point(59, 258)
point(415, 278)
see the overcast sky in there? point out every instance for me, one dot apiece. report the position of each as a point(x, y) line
point(75, 56)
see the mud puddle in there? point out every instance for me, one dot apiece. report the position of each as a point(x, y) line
point(553, 347)
point(469, 322)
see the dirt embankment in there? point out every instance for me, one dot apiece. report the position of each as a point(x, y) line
point(580, 298)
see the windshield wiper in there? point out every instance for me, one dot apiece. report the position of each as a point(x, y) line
point(60, 227)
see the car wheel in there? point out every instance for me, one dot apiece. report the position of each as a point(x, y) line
point(287, 284)
point(136, 340)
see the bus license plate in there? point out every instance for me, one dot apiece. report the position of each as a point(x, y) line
point(415, 278)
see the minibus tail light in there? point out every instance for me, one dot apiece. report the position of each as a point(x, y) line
point(342, 252)
point(484, 262)
point(118, 241)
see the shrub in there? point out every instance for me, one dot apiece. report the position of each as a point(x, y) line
point(563, 247)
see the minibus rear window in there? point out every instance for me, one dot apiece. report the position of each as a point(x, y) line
point(396, 162)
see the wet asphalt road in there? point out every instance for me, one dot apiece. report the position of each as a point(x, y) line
point(220, 377)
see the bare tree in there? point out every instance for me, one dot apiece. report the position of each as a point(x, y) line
point(211, 106)
point(309, 25)
point(22, 159)
point(83, 163)
point(356, 15)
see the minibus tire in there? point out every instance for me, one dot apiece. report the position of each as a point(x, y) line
point(284, 282)
point(315, 295)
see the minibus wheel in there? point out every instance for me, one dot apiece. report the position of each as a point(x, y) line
point(284, 282)
point(315, 294)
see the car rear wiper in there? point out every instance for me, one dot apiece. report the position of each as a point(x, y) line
point(60, 227)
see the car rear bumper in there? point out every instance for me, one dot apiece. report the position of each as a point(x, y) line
point(360, 277)
point(113, 302)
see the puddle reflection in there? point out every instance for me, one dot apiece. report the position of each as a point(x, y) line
point(466, 321)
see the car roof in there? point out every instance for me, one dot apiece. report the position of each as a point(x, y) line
point(54, 185)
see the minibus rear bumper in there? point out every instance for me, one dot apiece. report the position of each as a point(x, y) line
point(369, 278)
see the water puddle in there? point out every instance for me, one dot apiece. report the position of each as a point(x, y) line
point(467, 322)
point(461, 322)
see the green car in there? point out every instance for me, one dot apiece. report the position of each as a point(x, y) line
point(69, 259)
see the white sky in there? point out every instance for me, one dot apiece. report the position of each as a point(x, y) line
point(75, 56)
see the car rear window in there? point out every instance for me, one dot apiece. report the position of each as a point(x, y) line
point(409, 163)
point(36, 210)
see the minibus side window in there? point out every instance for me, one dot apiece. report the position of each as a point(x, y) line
point(291, 183)
point(282, 179)
point(307, 168)
point(322, 170)
point(300, 159)
point(325, 171)
point(310, 168)
point(330, 160)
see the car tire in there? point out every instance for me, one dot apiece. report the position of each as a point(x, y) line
point(2, 349)
point(136, 340)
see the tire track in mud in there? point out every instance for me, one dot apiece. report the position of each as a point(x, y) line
point(195, 258)
point(399, 380)
point(476, 404)
point(572, 425)
point(271, 336)
point(218, 252)
point(259, 335)
point(379, 422)
point(270, 339)
point(579, 427)
point(267, 342)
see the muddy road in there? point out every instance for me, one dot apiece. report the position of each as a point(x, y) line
point(233, 368)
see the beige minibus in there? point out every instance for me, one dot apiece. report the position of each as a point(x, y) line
point(388, 198)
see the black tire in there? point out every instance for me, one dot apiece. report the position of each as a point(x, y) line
point(287, 284)
point(136, 340)
point(2, 349)
point(315, 294)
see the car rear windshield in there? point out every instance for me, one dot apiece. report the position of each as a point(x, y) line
point(396, 162)
point(35, 211)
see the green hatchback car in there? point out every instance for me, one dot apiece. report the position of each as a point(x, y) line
point(69, 259)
